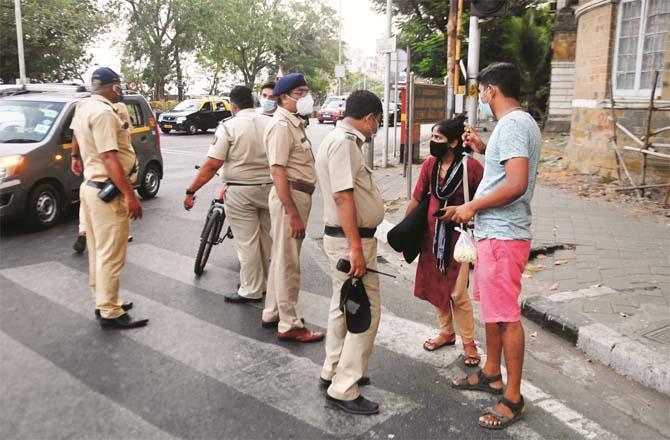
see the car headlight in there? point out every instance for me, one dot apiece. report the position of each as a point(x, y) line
point(180, 119)
point(9, 164)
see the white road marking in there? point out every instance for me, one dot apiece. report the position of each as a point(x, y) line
point(266, 372)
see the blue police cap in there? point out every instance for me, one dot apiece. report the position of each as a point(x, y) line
point(289, 82)
point(103, 76)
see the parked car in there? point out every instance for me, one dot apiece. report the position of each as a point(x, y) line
point(192, 115)
point(331, 112)
point(393, 116)
point(36, 183)
point(338, 98)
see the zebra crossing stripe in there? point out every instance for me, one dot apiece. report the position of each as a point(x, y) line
point(51, 380)
point(266, 372)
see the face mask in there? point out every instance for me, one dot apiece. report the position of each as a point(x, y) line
point(485, 108)
point(374, 132)
point(305, 105)
point(268, 105)
point(119, 91)
point(438, 149)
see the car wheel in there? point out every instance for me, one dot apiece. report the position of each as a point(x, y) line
point(45, 206)
point(192, 129)
point(150, 183)
point(320, 121)
point(166, 130)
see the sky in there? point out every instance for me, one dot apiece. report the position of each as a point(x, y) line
point(361, 26)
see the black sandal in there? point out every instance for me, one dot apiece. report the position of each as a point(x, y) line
point(518, 410)
point(483, 383)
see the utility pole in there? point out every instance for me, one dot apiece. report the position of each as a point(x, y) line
point(339, 54)
point(19, 42)
point(457, 63)
point(451, 58)
point(473, 70)
point(387, 86)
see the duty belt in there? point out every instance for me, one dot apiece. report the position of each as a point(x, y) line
point(95, 184)
point(247, 184)
point(302, 187)
point(336, 231)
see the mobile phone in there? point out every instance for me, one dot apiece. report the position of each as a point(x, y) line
point(438, 213)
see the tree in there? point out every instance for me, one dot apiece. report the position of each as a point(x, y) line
point(56, 34)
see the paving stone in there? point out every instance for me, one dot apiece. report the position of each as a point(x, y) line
point(604, 307)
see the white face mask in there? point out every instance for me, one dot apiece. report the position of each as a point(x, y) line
point(485, 108)
point(268, 105)
point(305, 105)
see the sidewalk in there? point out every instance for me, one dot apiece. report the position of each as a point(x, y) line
point(607, 291)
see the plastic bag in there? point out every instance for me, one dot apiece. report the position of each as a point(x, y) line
point(465, 250)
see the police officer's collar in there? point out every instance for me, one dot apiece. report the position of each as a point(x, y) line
point(101, 98)
point(349, 128)
point(293, 118)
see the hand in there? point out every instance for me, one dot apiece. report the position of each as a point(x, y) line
point(189, 201)
point(76, 166)
point(357, 259)
point(297, 227)
point(134, 207)
point(459, 214)
point(471, 139)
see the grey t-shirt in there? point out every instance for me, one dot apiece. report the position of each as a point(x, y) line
point(515, 135)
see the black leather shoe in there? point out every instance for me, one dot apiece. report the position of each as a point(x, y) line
point(324, 384)
point(360, 405)
point(235, 298)
point(122, 322)
point(79, 245)
point(125, 307)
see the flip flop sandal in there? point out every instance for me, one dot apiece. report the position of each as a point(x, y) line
point(483, 384)
point(518, 409)
point(429, 345)
point(473, 359)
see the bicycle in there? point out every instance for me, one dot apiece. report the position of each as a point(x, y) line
point(215, 222)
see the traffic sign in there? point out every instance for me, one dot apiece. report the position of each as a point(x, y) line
point(399, 58)
point(339, 71)
point(386, 45)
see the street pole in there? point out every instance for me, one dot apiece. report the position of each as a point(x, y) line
point(409, 147)
point(387, 87)
point(457, 64)
point(339, 53)
point(19, 42)
point(395, 105)
point(451, 58)
point(473, 70)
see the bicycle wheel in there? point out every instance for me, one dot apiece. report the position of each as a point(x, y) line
point(208, 238)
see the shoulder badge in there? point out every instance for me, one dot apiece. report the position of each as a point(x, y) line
point(283, 122)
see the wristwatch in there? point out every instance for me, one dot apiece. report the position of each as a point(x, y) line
point(74, 156)
point(190, 193)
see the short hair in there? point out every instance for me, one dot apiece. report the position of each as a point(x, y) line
point(452, 128)
point(269, 85)
point(361, 103)
point(242, 97)
point(505, 76)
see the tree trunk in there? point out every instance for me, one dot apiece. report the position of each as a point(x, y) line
point(180, 80)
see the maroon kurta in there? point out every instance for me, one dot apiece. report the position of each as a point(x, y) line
point(431, 284)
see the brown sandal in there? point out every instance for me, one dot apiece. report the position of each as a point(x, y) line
point(432, 344)
point(471, 360)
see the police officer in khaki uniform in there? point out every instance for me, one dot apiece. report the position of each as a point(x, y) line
point(238, 147)
point(107, 155)
point(353, 208)
point(292, 167)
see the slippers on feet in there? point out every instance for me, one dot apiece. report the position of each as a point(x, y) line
point(439, 341)
point(483, 383)
point(518, 411)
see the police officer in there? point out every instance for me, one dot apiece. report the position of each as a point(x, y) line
point(353, 208)
point(292, 167)
point(107, 155)
point(238, 147)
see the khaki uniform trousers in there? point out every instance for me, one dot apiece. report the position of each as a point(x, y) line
point(460, 310)
point(249, 216)
point(107, 226)
point(348, 354)
point(284, 276)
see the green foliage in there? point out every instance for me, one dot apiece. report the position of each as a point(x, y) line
point(56, 34)
point(358, 81)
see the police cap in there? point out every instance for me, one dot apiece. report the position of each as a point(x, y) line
point(103, 76)
point(289, 82)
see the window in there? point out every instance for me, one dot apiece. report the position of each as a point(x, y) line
point(642, 29)
point(136, 116)
point(207, 107)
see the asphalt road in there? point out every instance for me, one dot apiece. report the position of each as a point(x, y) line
point(206, 369)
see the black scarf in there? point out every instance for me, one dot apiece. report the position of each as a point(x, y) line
point(443, 230)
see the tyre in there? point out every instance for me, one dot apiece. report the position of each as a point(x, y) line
point(208, 238)
point(45, 206)
point(320, 121)
point(151, 182)
point(191, 129)
point(166, 130)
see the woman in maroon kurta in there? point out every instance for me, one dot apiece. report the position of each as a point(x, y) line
point(441, 280)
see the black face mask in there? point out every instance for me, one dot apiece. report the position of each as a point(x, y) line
point(438, 149)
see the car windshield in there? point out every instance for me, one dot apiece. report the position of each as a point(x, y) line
point(187, 106)
point(333, 105)
point(27, 121)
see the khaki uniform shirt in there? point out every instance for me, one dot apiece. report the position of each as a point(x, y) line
point(340, 166)
point(99, 129)
point(238, 142)
point(287, 145)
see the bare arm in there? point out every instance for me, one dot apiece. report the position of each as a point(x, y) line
point(280, 179)
point(207, 170)
point(346, 212)
point(118, 176)
point(75, 158)
point(411, 206)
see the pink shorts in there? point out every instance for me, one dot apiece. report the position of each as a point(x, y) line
point(497, 278)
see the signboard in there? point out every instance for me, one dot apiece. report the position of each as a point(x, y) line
point(429, 103)
point(339, 71)
point(386, 45)
point(399, 58)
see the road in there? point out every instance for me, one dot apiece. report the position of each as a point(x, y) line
point(206, 369)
